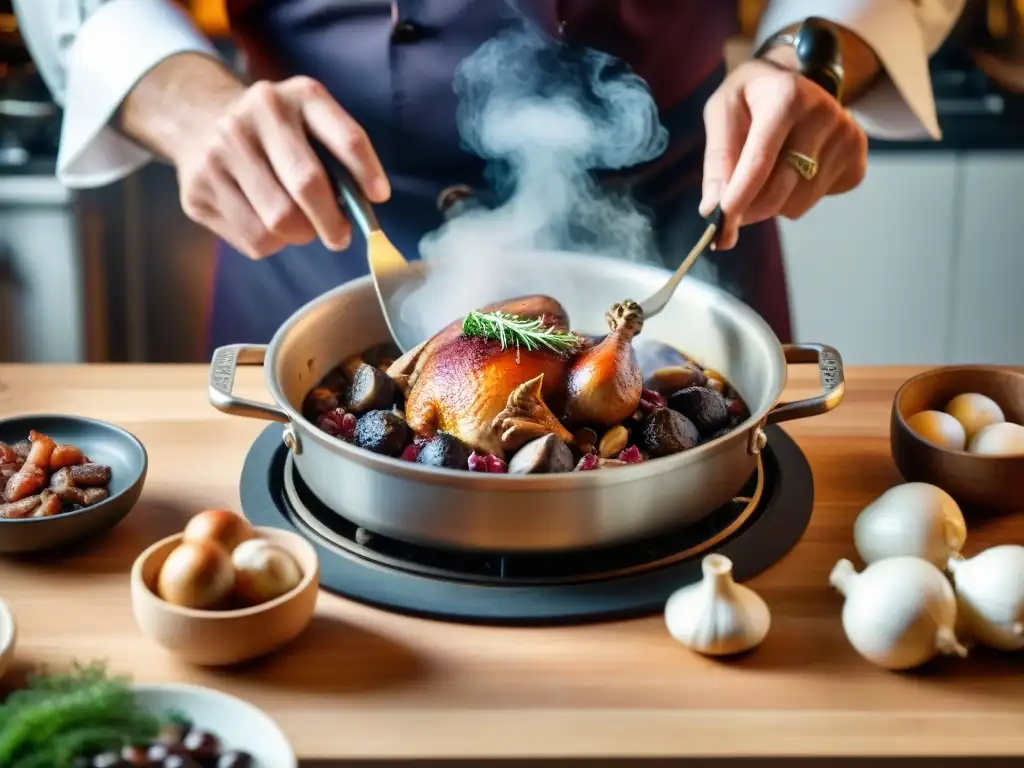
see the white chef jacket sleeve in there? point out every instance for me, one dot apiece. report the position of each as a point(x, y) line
point(904, 34)
point(91, 53)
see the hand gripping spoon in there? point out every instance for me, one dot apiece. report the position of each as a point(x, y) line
point(654, 304)
point(393, 276)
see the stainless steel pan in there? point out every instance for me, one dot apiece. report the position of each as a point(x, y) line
point(463, 510)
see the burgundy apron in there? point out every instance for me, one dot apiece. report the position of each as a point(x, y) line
point(391, 65)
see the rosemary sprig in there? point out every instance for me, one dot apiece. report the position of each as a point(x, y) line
point(519, 332)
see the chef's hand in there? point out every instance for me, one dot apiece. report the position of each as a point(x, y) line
point(245, 166)
point(761, 110)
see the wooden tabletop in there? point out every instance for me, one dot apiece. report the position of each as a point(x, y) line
point(362, 683)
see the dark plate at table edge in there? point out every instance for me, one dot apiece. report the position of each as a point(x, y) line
point(107, 513)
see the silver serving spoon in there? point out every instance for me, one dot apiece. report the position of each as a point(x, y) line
point(654, 304)
point(393, 276)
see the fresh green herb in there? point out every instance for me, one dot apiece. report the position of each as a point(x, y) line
point(59, 717)
point(519, 332)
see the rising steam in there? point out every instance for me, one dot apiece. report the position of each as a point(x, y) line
point(545, 116)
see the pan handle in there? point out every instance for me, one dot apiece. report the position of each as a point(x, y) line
point(222, 381)
point(833, 383)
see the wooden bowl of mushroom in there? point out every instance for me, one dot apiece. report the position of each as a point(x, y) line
point(223, 592)
point(961, 428)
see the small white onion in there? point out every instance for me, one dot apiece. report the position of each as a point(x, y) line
point(263, 571)
point(1004, 439)
point(939, 428)
point(914, 520)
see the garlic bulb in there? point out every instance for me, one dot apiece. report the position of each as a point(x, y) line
point(990, 596)
point(913, 519)
point(717, 616)
point(899, 612)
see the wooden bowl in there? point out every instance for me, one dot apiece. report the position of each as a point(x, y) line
point(990, 483)
point(8, 637)
point(223, 637)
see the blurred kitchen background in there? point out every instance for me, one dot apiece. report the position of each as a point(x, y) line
point(923, 264)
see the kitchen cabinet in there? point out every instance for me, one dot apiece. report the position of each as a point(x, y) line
point(40, 272)
point(987, 316)
point(871, 272)
point(921, 264)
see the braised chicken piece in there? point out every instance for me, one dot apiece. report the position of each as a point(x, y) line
point(49, 505)
point(43, 478)
point(90, 475)
point(33, 474)
point(8, 455)
point(496, 397)
point(23, 508)
point(458, 384)
point(69, 491)
point(605, 382)
point(66, 456)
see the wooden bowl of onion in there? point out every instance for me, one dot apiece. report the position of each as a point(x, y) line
point(961, 428)
point(222, 591)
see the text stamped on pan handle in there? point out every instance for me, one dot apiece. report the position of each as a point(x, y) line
point(833, 382)
point(222, 382)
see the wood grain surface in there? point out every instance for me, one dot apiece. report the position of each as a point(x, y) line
point(362, 683)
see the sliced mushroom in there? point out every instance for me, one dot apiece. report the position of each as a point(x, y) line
point(544, 455)
point(706, 408)
point(666, 432)
point(665, 381)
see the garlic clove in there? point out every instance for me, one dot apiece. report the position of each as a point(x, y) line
point(717, 616)
point(911, 520)
point(989, 589)
point(898, 613)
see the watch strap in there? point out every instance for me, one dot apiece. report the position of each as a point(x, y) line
point(818, 53)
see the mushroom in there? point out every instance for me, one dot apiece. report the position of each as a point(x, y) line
point(371, 389)
point(526, 417)
point(665, 432)
point(665, 381)
point(443, 451)
point(543, 455)
point(585, 440)
point(706, 408)
point(381, 432)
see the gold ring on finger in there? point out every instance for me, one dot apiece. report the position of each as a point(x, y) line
point(803, 164)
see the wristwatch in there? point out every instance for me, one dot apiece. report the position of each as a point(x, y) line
point(818, 53)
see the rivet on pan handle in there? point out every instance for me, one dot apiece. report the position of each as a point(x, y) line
point(833, 383)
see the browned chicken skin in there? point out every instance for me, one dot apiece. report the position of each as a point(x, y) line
point(459, 384)
point(43, 476)
point(605, 382)
point(494, 399)
point(32, 476)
